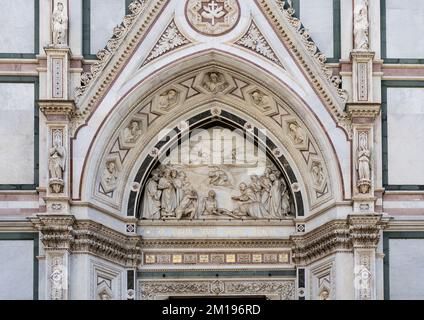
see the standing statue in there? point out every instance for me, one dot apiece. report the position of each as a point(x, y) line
point(275, 197)
point(364, 164)
point(152, 196)
point(361, 26)
point(59, 25)
point(169, 196)
point(57, 160)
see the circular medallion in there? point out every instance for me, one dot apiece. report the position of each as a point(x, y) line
point(212, 17)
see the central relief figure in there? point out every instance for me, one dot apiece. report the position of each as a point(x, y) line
point(217, 174)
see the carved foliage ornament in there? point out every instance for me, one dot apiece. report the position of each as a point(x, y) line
point(213, 17)
point(255, 41)
point(171, 39)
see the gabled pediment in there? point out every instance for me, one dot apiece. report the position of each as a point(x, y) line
point(276, 37)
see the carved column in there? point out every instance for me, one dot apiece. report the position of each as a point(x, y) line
point(57, 237)
point(365, 234)
point(58, 110)
point(363, 111)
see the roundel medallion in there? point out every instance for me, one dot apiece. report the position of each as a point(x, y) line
point(212, 17)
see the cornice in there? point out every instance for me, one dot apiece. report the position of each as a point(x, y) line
point(113, 57)
point(64, 232)
point(361, 109)
point(313, 62)
point(214, 243)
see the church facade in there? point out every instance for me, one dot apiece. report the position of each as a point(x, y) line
point(157, 149)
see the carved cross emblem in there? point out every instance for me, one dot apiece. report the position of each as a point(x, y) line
point(212, 12)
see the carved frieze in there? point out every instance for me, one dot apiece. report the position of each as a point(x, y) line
point(150, 290)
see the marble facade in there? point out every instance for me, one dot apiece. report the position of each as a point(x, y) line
point(201, 138)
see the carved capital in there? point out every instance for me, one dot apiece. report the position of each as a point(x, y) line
point(64, 232)
point(56, 231)
point(57, 110)
point(365, 230)
point(363, 113)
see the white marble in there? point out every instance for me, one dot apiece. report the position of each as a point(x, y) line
point(17, 26)
point(406, 269)
point(105, 15)
point(405, 118)
point(317, 17)
point(17, 133)
point(16, 276)
point(404, 27)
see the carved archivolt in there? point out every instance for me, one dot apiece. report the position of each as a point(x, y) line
point(153, 290)
point(209, 86)
point(142, 14)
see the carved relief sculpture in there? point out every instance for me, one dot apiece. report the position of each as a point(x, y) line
point(361, 26)
point(133, 132)
point(215, 82)
point(261, 100)
point(296, 133)
point(57, 160)
point(168, 99)
point(110, 177)
point(59, 25)
point(212, 17)
point(364, 164)
point(152, 197)
point(192, 189)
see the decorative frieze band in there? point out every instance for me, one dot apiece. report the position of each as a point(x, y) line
point(217, 258)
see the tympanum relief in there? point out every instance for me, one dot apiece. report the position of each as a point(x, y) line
point(201, 181)
point(203, 86)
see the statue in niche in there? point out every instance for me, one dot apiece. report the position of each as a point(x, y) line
point(318, 173)
point(364, 164)
point(249, 205)
point(110, 177)
point(215, 82)
point(168, 99)
point(169, 195)
point(261, 100)
point(296, 133)
point(133, 132)
point(361, 26)
point(152, 197)
point(59, 24)
point(57, 160)
point(189, 204)
point(218, 177)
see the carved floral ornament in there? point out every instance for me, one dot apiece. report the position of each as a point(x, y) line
point(198, 88)
point(114, 56)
